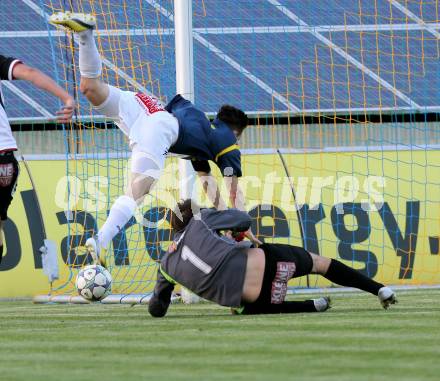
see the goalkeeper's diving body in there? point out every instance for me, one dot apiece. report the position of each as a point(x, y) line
point(205, 258)
point(153, 131)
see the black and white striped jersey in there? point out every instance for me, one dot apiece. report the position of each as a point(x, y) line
point(7, 141)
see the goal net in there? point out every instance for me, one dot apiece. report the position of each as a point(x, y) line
point(344, 93)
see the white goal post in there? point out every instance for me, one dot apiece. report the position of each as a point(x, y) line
point(183, 37)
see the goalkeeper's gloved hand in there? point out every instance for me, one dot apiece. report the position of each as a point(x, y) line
point(238, 236)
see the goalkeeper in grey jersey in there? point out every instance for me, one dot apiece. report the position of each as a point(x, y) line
point(206, 259)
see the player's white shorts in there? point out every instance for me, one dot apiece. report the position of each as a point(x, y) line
point(151, 129)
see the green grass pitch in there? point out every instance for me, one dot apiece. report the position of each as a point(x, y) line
point(355, 340)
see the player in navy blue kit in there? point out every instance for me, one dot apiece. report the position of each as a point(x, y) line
point(153, 131)
point(14, 69)
point(205, 258)
point(203, 141)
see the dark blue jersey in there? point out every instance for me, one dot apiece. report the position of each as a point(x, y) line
point(200, 140)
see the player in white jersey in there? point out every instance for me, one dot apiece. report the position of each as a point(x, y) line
point(12, 69)
point(153, 131)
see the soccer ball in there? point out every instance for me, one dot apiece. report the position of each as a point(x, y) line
point(93, 282)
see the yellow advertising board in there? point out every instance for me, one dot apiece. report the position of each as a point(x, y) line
point(377, 211)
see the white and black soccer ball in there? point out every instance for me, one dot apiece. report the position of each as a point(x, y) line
point(93, 282)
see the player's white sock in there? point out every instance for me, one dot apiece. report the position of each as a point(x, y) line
point(120, 213)
point(90, 63)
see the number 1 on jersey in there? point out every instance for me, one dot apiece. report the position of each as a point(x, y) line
point(188, 254)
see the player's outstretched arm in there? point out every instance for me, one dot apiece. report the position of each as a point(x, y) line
point(161, 299)
point(236, 196)
point(211, 189)
point(44, 82)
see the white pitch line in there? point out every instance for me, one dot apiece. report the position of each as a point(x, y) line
point(28, 99)
point(317, 28)
point(258, 113)
point(230, 61)
point(237, 30)
point(249, 151)
point(35, 7)
point(346, 56)
point(415, 18)
point(341, 149)
point(60, 33)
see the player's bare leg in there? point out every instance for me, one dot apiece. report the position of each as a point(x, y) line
point(95, 90)
point(139, 186)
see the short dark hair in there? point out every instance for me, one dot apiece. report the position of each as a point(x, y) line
point(233, 117)
point(182, 214)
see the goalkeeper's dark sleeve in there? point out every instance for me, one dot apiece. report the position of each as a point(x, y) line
point(230, 219)
point(161, 299)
